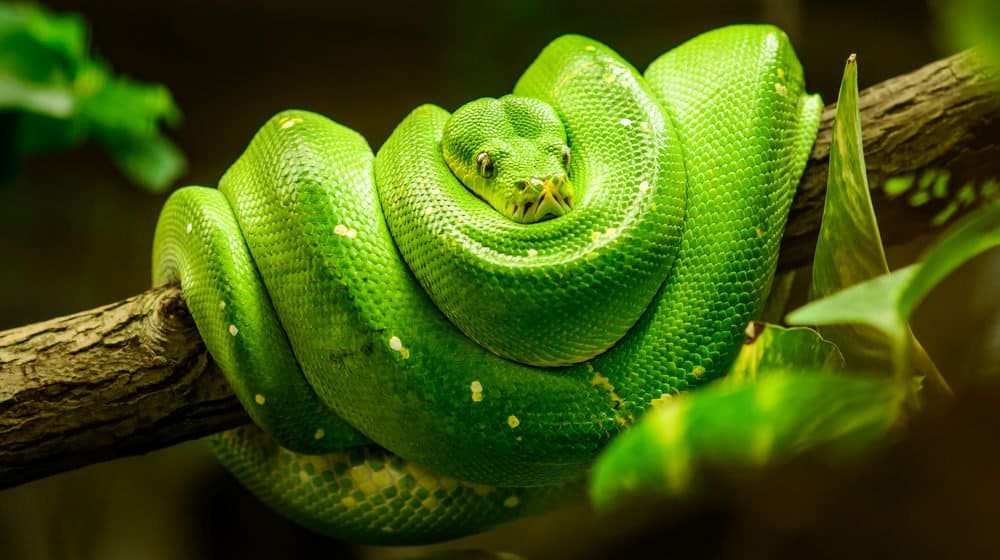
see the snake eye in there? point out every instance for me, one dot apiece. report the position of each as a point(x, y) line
point(485, 163)
point(566, 156)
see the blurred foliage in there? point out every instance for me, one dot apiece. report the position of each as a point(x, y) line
point(744, 426)
point(54, 95)
point(965, 23)
point(849, 249)
point(783, 395)
point(886, 302)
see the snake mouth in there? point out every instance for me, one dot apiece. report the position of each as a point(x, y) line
point(554, 199)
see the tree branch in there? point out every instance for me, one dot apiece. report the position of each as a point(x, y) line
point(134, 376)
point(944, 116)
point(118, 380)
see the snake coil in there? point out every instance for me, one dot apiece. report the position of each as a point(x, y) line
point(420, 366)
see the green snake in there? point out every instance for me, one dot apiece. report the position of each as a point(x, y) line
point(442, 337)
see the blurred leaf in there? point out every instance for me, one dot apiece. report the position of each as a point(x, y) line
point(971, 22)
point(849, 250)
point(886, 302)
point(60, 96)
point(776, 304)
point(977, 233)
point(154, 163)
point(777, 348)
point(741, 427)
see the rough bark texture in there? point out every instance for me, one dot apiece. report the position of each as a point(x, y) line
point(118, 380)
point(134, 376)
point(944, 116)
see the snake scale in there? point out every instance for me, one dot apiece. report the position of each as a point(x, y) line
point(442, 337)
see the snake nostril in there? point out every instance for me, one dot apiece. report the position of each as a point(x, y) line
point(522, 185)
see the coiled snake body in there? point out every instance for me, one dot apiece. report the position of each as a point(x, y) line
point(443, 337)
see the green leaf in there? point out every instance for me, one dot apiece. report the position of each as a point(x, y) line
point(886, 302)
point(776, 304)
point(971, 22)
point(849, 232)
point(849, 250)
point(154, 163)
point(778, 348)
point(977, 233)
point(743, 427)
point(62, 96)
point(720, 423)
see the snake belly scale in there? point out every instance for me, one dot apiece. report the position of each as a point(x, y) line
point(424, 357)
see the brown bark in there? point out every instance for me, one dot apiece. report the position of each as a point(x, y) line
point(118, 380)
point(134, 376)
point(944, 116)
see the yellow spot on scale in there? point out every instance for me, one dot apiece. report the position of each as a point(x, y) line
point(780, 89)
point(513, 422)
point(512, 501)
point(482, 490)
point(349, 502)
point(781, 74)
point(760, 231)
point(436, 191)
point(603, 382)
point(662, 400)
point(319, 434)
point(609, 78)
point(259, 399)
point(428, 211)
point(368, 487)
point(360, 473)
point(644, 126)
point(595, 235)
point(532, 252)
point(592, 255)
point(429, 502)
point(610, 231)
point(233, 330)
point(590, 48)
point(382, 479)
point(396, 345)
point(698, 371)
point(625, 122)
point(290, 122)
point(344, 231)
point(477, 391)
point(190, 226)
point(222, 304)
point(644, 186)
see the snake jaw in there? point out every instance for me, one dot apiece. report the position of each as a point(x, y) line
point(553, 199)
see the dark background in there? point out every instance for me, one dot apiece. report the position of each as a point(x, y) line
point(74, 234)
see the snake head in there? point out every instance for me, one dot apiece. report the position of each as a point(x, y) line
point(511, 152)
